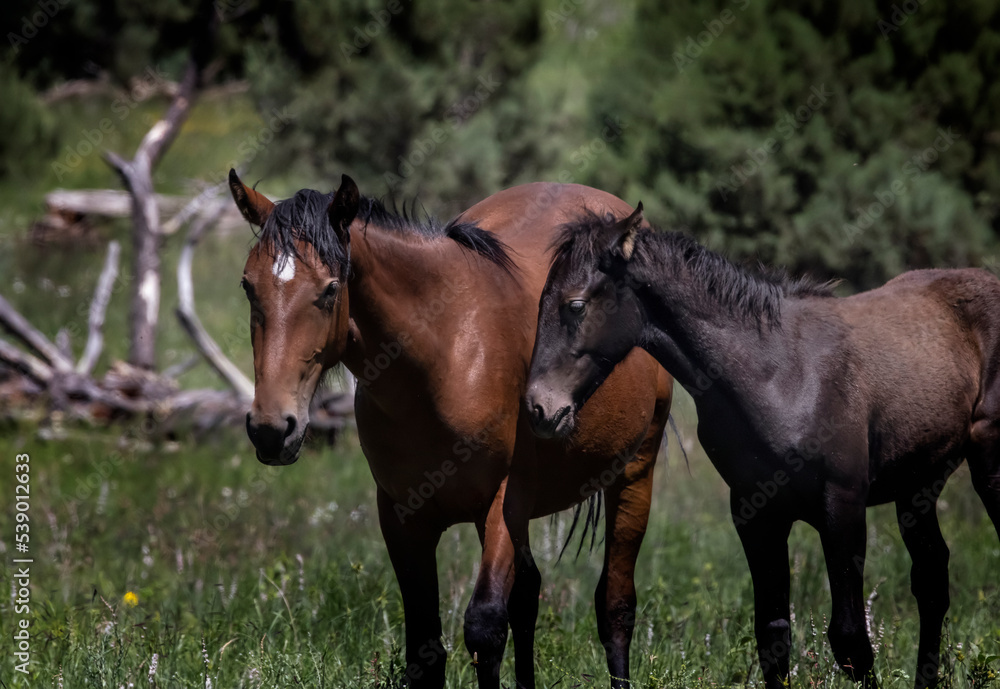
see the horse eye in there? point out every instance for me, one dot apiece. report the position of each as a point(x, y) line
point(576, 306)
point(331, 290)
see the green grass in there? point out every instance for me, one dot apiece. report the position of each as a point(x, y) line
point(252, 576)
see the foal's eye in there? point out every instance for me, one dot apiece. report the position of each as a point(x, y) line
point(576, 306)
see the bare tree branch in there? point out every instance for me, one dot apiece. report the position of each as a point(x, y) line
point(98, 309)
point(137, 175)
point(186, 311)
point(19, 326)
point(34, 368)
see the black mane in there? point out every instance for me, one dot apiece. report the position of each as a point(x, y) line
point(753, 294)
point(304, 217)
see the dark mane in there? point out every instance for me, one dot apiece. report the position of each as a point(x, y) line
point(753, 294)
point(304, 217)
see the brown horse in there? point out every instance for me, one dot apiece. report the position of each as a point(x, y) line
point(811, 407)
point(437, 323)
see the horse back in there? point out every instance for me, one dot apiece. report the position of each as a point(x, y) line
point(924, 355)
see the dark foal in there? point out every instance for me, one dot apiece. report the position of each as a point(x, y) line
point(811, 407)
point(437, 322)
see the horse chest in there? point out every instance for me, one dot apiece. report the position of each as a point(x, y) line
point(429, 467)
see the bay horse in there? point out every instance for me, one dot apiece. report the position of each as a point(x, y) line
point(811, 407)
point(437, 324)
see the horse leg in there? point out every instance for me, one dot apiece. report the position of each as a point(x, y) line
point(504, 535)
point(522, 610)
point(918, 524)
point(627, 503)
point(844, 538)
point(765, 543)
point(412, 544)
point(984, 464)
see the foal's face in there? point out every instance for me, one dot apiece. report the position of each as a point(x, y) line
point(299, 326)
point(588, 321)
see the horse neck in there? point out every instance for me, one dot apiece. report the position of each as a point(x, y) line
point(402, 290)
point(695, 336)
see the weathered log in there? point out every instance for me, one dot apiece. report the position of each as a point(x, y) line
point(108, 203)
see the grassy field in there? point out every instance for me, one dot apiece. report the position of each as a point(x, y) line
point(189, 564)
point(193, 559)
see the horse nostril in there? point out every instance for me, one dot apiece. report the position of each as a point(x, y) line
point(537, 413)
point(290, 428)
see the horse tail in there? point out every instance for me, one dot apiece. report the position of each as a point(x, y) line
point(677, 434)
point(590, 523)
point(594, 502)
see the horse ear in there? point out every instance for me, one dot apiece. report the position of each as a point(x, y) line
point(255, 207)
point(632, 224)
point(344, 208)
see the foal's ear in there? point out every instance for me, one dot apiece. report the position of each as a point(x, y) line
point(631, 228)
point(254, 206)
point(344, 208)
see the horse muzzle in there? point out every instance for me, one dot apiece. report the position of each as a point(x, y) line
point(277, 441)
point(549, 417)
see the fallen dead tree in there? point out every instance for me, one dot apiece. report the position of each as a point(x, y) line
point(40, 380)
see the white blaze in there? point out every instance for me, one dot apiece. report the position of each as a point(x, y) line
point(284, 267)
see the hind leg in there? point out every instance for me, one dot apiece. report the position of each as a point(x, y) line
point(627, 502)
point(984, 463)
point(918, 524)
point(843, 535)
point(627, 513)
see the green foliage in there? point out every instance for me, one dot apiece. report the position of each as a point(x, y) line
point(27, 138)
point(766, 129)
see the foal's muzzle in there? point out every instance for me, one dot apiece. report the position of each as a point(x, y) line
point(549, 416)
point(277, 440)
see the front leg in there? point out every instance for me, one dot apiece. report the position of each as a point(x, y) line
point(765, 543)
point(412, 544)
point(505, 543)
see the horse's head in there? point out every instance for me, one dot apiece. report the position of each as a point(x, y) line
point(588, 320)
point(296, 281)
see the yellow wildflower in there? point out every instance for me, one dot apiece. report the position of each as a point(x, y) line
point(130, 599)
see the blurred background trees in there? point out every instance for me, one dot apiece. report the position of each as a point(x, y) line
point(849, 139)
